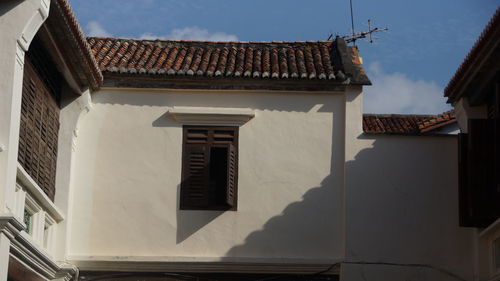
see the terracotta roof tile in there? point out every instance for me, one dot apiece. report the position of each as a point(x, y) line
point(405, 124)
point(277, 59)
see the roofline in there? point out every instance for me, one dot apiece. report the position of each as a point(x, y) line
point(346, 60)
point(421, 130)
point(62, 12)
point(417, 134)
point(401, 115)
point(208, 41)
point(486, 35)
point(439, 125)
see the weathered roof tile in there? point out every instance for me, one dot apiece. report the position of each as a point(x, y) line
point(277, 59)
point(405, 124)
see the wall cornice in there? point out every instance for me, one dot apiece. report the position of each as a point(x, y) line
point(23, 250)
point(204, 265)
point(204, 83)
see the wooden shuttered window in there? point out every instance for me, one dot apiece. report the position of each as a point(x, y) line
point(479, 188)
point(39, 127)
point(209, 168)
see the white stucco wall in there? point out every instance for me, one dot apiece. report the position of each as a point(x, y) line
point(127, 171)
point(402, 208)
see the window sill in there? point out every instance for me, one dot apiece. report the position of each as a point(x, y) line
point(211, 116)
point(211, 208)
point(35, 246)
point(33, 188)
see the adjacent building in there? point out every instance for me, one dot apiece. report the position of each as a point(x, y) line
point(474, 91)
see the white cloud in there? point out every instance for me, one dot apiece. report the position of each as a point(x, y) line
point(192, 33)
point(396, 93)
point(95, 29)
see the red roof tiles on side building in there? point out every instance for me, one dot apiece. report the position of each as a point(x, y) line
point(402, 124)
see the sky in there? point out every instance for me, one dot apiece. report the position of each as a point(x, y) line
point(409, 65)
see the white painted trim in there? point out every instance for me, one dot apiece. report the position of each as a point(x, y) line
point(28, 253)
point(211, 116)
point(34, 24)
point(19, 202)
point(48, 238)
point(206, 265)
point(39, 221)
point(37, 15)
point(35, 190)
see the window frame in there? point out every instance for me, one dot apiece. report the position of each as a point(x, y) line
point(183, 201)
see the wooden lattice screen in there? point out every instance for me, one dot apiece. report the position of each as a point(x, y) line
point(39, 126)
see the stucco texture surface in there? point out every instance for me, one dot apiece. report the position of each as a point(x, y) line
point(402, 208)
point(127, 175)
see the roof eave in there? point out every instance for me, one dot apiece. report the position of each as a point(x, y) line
point(483, 52)
point(155, 81)
point(77, 54)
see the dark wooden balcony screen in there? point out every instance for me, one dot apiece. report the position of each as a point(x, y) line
point(38, 135)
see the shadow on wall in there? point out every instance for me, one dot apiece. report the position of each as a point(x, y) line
point(402, 208)
point(314, 235)
point(304, 228)
point(307, 229)
point(190, 221)
point(8, 5)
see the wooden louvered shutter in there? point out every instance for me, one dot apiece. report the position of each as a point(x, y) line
point(194, 191)
point(483, 200)
point(232, 176)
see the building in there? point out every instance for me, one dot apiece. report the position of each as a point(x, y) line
point(474, 92)
point(128, 159)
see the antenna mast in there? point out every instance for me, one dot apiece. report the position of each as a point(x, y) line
point(354, 36)
point(363, 34)
point(352, 24)
point(351, 38)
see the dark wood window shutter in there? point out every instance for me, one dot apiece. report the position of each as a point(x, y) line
point(232, 176)
point(479, 193)
point(209, 168)
point(195, 180)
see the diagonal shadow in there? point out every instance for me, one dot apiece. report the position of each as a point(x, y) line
point(190, 221)
point(8, 5)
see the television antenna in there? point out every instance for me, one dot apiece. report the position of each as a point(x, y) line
point(356, 35)
point(352, 38)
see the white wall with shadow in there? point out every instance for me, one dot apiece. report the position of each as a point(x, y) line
point(128, 174)
point(402, 211)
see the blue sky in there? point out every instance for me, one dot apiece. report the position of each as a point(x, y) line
point(409, 65)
